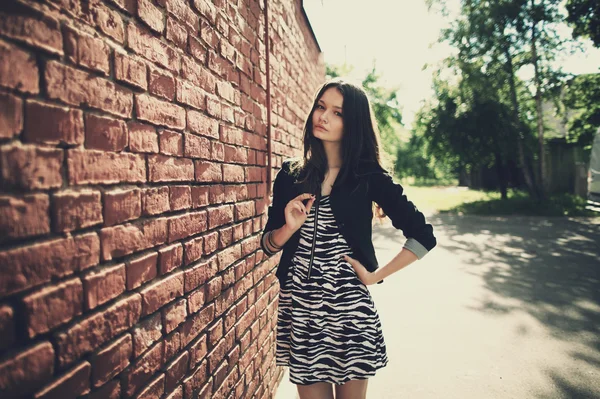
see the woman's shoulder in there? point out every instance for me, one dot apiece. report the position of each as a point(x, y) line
point(368, 167)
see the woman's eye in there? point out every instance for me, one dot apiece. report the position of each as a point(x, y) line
point(339, 114)
point(319, 106)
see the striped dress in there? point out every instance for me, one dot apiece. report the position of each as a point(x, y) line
point(328, 329)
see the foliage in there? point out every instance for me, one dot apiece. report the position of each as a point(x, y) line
point(519, 203)
point(583, 94)
point(584, 17)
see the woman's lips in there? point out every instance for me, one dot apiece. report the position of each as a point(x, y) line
point(320, 128)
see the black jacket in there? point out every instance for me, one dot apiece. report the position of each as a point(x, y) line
point(351, 205)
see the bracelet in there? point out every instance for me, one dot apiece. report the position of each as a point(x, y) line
point(270, 238)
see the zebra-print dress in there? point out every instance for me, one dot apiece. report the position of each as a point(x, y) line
point(328, 329)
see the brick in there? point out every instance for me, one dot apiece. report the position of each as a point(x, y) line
point(207, 33)
point(111, 360)
point(206, 9)
point(154, 389)
point(186, 225)
point(199, 274)
point(169, 258)
point(190, 95)
point(165, 169)
point(193, 250)
point(41, 32)
point(11, 115)
point(99, 167)
point(121, 205)
point(142, 138)
point(196, 323)
point(126, 5)
point(228, 383)
point(143, 369)
point(197, 49)
point(111, 390)
point(180, 197)
point(30, 167)
point(24, 216)
point(159, 112)
point(131, 71)
point(39, 263)
point(172, 344)
point(75, 382)
point(87, 51)
point(7, 327)
point(184, 13)
point(107, 21)
point(198, 350)
point(214, 288)
point(141, 270)
point(151, 15)
point(161, 292)
point(196, 300)
point(197, 74)
point(171, 143)
point(173, 315)
point(177, 33)
point(196, 380)
point(176, 370)
point(155, 200)
point(97, 329)
point(72, 210)
point(102, 133)
point(208, 172)
point(176, 394)
point(161, 83)
point(220, 216)
point(196, 146)
point(153, 49)
point(146, 334)
point(18, 69)
point(51, 124)
point(203, 125)
point(103, 285)
point(87, 89)
point(26, 371)
point(200, 196)
point(52, 306)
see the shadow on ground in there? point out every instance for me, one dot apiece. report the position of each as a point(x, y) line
point(546, 267)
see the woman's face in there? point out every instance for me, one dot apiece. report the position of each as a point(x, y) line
point(328, 124)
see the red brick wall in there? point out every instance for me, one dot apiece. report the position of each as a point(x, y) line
point(132, 156)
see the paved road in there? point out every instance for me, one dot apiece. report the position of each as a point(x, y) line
point(503, 307)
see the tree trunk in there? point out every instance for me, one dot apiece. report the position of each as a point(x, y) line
point(529, 180)
point(501, 175)
point(538, 106)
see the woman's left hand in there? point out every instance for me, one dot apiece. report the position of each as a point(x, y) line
point(364, 275)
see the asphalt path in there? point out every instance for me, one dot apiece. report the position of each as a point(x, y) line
point(503, 307)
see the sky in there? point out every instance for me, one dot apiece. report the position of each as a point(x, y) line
point(398, 37)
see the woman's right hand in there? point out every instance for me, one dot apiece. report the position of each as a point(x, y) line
point(296, 212)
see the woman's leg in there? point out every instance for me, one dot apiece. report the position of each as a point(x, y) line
point(319, 390)
point(353, 389)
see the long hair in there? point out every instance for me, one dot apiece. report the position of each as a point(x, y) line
point(360, 140)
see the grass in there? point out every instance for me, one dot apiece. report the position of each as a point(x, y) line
point(463, 201)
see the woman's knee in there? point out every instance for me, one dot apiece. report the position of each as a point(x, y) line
point(319, 390)
point(353, 389)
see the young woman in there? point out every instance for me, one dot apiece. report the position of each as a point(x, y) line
point(328, 329)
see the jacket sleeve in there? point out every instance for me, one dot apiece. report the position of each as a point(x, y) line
point(276, 215)
point(404, 214)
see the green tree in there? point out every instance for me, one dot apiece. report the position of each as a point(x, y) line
point(503, 36)
point(584, 17)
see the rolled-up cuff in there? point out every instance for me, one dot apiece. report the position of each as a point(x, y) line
point(415, 247)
